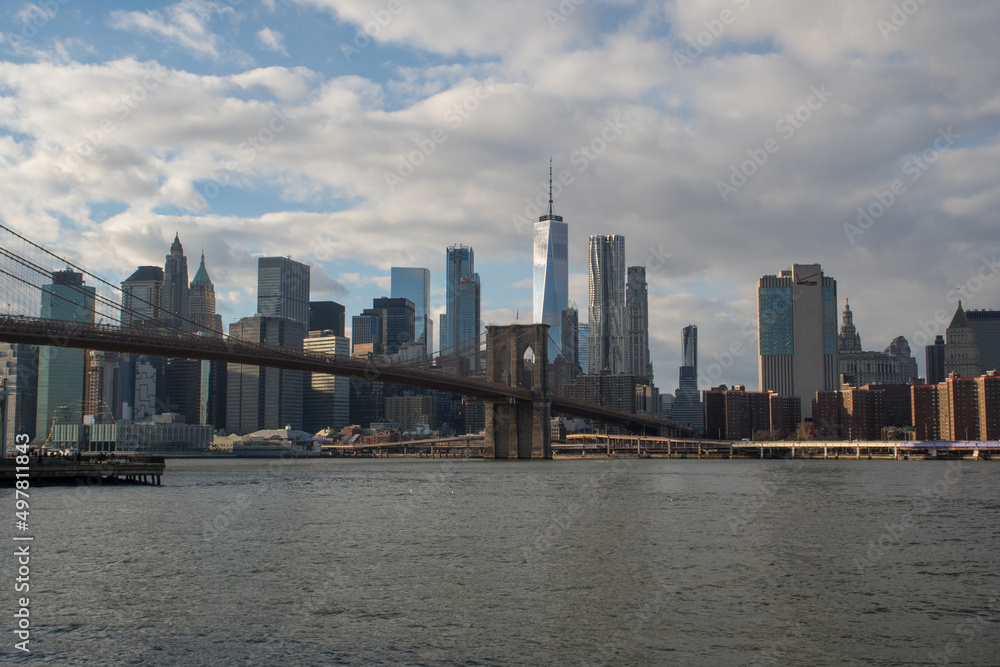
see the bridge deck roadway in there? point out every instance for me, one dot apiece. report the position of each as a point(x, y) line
point(62, 333)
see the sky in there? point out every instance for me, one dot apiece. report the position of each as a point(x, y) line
point(725, 139)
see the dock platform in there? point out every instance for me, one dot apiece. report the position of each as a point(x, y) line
point(84, 470)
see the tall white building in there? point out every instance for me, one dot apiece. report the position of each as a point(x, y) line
point(606, 317)
point(550, 280)
point(797, 325)
point(327, 398)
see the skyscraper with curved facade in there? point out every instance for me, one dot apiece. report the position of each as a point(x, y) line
point(606, 319)
point(550, 276)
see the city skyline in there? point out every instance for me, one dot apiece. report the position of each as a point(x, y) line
point(703, 382)
point(728, 149)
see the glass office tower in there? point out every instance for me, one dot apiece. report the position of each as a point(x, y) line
point(415, 284)
point(550, 276)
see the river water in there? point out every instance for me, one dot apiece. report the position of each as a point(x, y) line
point(452, 562)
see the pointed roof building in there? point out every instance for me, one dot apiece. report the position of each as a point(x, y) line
point(174, 294)
point(850, 339)
point(201, 276)
point(961, 353)
point(201, 301)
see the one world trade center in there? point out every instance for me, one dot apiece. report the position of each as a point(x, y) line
point(551, 270)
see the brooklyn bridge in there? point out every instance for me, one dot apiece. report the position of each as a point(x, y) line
point(517, 395)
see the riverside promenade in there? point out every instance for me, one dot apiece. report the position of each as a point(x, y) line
point(600, 445)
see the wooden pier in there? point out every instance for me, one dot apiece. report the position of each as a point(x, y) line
point(84, 470)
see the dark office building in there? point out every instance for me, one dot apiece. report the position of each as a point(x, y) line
point(934, 356)
point(571, 335)
point(183, 376)
point(283, 289)
point(399, 321)
point(367, 402)
point(260, 397)
point(986, 324)
point(326, 316)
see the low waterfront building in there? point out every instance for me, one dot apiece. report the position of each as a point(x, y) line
point(277, 443)
point(898, 408)
point(849, 414)
point(737, 414)
point(166, 435)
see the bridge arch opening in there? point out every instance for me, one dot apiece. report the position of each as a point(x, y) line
point(526, 366)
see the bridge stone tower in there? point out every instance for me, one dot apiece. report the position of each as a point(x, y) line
point(519, 428)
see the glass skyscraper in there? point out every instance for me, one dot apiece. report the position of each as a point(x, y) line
point(460, 321)
point(399, 321)
point(689, 346)
point(141, 297)
point(62, 370)
point(606, 347)
point(550, 278)
point(283, 289)
point(687, 406)
point(415, 284)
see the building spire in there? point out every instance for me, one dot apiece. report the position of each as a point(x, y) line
point(550, 186)
point(550, 215)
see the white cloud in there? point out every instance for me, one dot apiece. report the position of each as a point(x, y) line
point(153, 136)
point(184, 24)
point(272, 40)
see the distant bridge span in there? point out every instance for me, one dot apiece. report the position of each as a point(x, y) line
point(113, 338)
